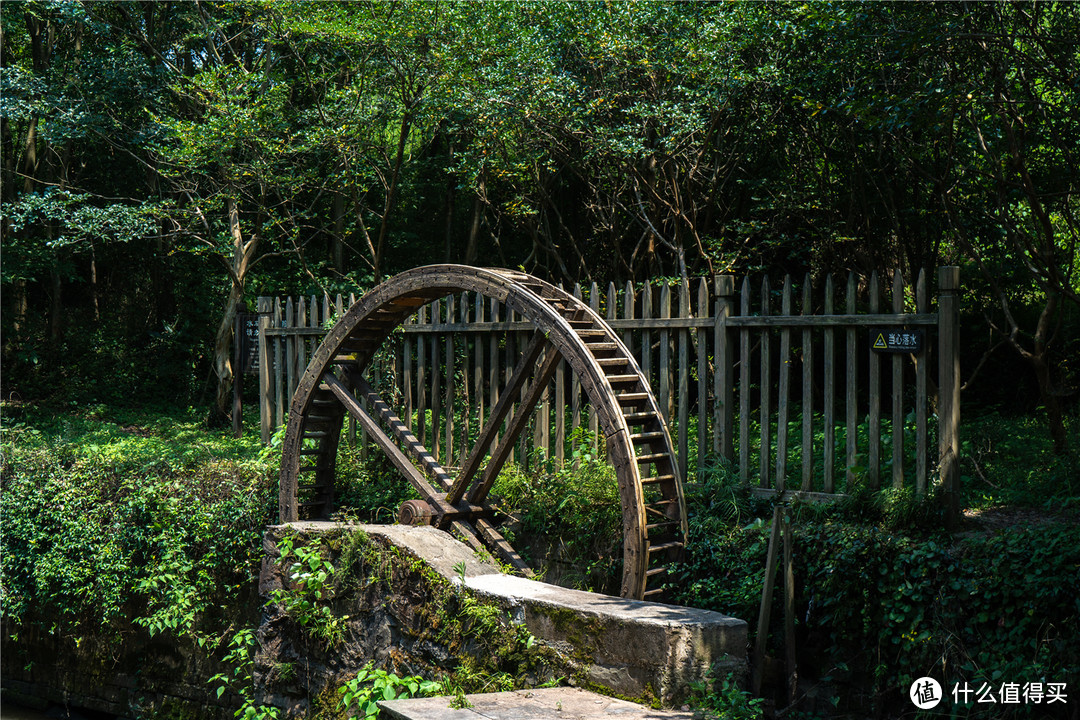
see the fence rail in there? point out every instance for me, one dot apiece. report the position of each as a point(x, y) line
point(776, 383)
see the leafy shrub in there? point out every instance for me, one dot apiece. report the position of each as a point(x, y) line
point(153, 521)
point(571, 513)
point(372, 685)
point(885, 596)
point(312, 586)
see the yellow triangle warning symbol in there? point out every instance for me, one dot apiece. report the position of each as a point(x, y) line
point(879, 344)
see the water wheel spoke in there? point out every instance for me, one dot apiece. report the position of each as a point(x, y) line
point(494, 540)
point(522, 372)
point(386, 444)
point(518, 421)
point(402, 432)
point(468, 535)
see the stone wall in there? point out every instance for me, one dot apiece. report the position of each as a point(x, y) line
point(126, 673)
point(417, 601)
point(410, 600)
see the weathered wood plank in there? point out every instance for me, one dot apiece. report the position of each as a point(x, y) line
point(436, 383)
point(683, 391)
point(646, 335)
point(807, 392)
point(850, 320)
point(783, 391)
point(765, 406)
point(510, 360)
point(560, 409)
point(744, 387)
point(575, 392)
point(852, 390)
point(702, 376)
point(312, 343)
point(724, 360)
point(279, 379)
point(675, 323)
point(898, 393)
point(291, 354)
point(873, 462)
point(351, 431)
point(921, 449)
point(478, 366)
point(665, 355)
point(266, 372)
point(395, 455)
point(298, 343)
point(517, 423)
point(494, 540)
point(407, 375)
point(765, 609)
point(493, 366)
point(371, 400)
point(421, 378)
point(451, 385)
point(594, 421)
point(828, 393)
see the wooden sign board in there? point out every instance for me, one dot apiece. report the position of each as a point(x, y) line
point(896, 340)
point(248, 328)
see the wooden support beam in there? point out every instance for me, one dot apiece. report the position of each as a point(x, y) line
point(401, 431)
point(494, 540)
point(396, 456)
point(522, 372)
point(765, 611)
point(517, 423)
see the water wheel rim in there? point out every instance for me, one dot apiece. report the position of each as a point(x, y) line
point(373, 317)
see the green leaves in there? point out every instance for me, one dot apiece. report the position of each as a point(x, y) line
point(372, 685)
point(98, 527)
point(311, 585)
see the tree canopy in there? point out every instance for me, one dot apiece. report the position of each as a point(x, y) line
point(164, 162)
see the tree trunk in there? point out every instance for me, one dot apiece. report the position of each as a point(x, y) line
point(337, 240)
point(1040, 364)
point(391, 193)
point(1049, 399)
point(243, 254)
point(472, 248)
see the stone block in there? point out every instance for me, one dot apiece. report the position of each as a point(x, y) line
point(631, 647)
point(568, 703)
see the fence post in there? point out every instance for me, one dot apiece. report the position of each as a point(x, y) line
point(949, 388)
point(266, 409)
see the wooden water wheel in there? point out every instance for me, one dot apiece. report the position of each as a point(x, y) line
point(637, 439)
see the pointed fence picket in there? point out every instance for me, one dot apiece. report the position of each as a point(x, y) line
point(772, 384)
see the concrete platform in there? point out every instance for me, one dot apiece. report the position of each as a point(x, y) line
point(630, 648)
point(562, 703)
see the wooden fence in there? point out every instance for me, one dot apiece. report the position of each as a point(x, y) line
point(775, 384)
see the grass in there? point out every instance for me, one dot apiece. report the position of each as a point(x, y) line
point(1008, 460)
point(136, 435)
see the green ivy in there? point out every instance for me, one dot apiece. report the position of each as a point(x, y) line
point(371, 685)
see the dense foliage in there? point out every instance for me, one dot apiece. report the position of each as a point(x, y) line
point(164, 163)
point(883, 596)
point(113, 519)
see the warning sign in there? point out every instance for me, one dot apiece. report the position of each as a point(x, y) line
point(893, 340)
point(248, 329)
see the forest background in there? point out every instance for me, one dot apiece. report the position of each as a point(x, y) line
point(166, 162)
